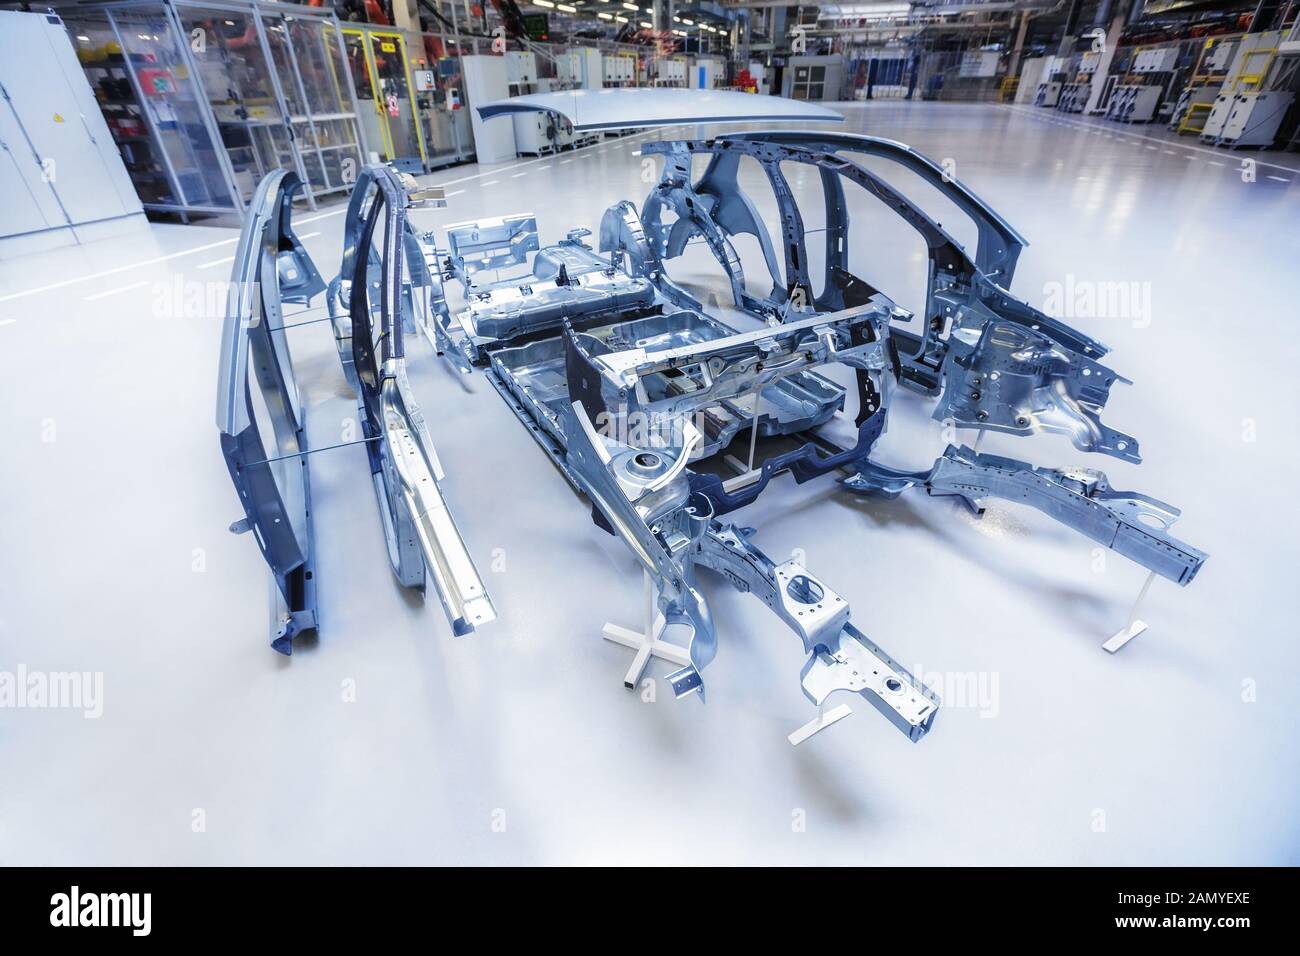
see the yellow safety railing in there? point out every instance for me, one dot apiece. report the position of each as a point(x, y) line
point(1193, 110)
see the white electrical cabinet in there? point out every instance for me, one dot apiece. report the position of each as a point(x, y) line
point(1158, 60)
point(1254, 118)
point(531, 134)
point(589, 68)
point(485, 81)
point(620, 70)
point(568, 72)
point(539, 134)
point(1031, 72)
point(1133, 104)
point(1074, 97)
point(1048, 94)
point(670, 71)
point(1219, 58)
point(706, 73)
point(521, 69)
point(62, 180)
point(1218, 117)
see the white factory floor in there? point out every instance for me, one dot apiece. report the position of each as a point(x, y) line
point(390, 741)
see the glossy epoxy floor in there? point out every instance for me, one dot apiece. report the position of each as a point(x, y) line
point(391, 742)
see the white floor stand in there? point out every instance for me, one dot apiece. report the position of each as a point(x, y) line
point(819, 723)
point(647, 643)
point(1135, 625)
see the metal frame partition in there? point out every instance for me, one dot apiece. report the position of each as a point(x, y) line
point(441, 98)
point(384, 78)
point(179, 166)
point(276, 94)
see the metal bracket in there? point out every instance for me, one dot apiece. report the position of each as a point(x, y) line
point(647, 643)
point(819, 723)
point(1135, 625)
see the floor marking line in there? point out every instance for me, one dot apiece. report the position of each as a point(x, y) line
point(116, 269)
point(1280, 179)
point(491, 182)
point(4, 322)
point(323, 215)
point(506, 169)
point(216, 262)
point(1196, 149)
point(517, 175)
point(108, 292)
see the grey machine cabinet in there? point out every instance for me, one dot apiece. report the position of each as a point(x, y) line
point(63, 180)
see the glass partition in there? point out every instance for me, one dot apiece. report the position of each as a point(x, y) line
point(308, 61)
point(205, 97)
point(152, 107)
point(242, 91)
point(383, 85)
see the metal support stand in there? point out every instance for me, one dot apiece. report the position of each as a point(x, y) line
point(753, 427)
point(1135, 625)
point(747, 472)
point(819, 723)
point(647, 643)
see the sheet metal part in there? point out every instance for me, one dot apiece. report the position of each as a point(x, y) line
point(1062, 387)
point(423, 541)
point(383, 291)
point(630, 385)
point(626, 398)
point(639, 108)
point(490, 245)
point(259, 414)
point(671, 366)
point(1132, 524)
